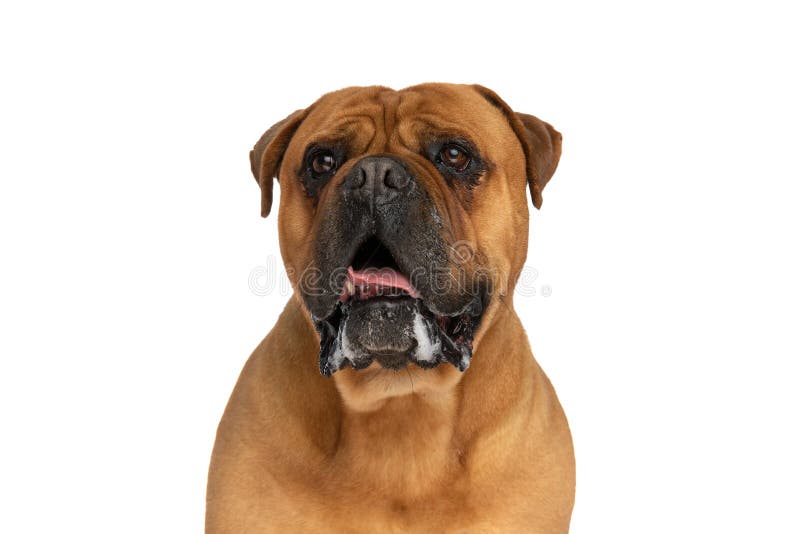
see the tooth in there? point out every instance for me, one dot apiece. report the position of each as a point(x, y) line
point(349, 287)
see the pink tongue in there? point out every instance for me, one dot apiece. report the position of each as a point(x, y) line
point(386, 277)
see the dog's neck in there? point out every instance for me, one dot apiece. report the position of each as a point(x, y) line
point(412, 431)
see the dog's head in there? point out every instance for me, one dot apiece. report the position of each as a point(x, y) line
point(403, 217)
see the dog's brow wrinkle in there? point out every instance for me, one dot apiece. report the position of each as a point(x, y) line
point(390, 101)
point(354, 123)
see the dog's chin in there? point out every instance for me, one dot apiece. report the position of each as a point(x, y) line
point(391, 331)
point(394, 332)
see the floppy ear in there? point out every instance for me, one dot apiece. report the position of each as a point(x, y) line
point(540, 141)
point(266, 156)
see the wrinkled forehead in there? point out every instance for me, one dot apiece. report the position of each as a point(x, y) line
point(455, 109)
point(370, 117)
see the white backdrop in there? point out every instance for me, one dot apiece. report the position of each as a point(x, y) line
point(668, 237)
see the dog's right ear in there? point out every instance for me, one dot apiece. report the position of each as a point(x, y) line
point(266, 156)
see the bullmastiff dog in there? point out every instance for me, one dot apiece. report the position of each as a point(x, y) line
point(397, 391)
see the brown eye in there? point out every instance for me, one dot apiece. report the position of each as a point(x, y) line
point(455, 157)
point(323, 163)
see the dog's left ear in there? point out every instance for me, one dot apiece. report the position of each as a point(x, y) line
point(540, 141)
point(266, 156)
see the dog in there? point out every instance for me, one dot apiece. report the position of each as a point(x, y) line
point(397, 391)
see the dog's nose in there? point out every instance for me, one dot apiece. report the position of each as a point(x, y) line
point(378, 178)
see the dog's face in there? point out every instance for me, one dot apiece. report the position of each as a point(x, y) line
point(403, 224)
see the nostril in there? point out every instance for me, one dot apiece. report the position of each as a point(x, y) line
point(395, 179)
point(387, 178)
point(357, 179)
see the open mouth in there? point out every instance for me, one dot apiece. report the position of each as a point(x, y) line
point(381, 316)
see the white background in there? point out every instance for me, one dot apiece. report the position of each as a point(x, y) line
point(130, 227)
